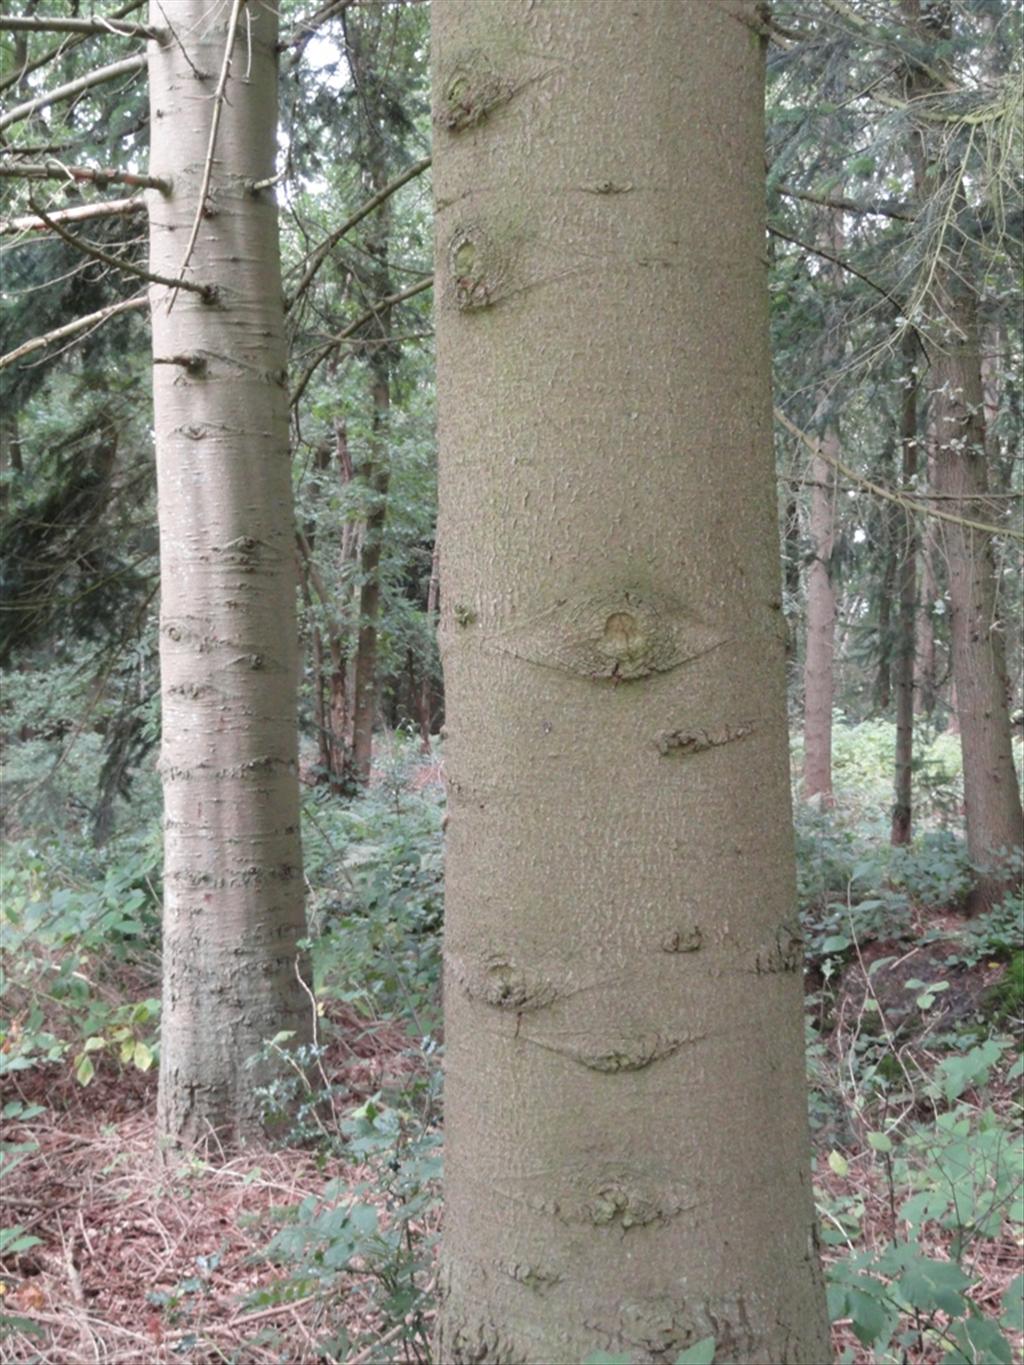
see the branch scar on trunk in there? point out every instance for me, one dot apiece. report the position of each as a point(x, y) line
point(697, 741)
point(619, 635)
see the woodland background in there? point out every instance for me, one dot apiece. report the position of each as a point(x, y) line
point(323, 1249)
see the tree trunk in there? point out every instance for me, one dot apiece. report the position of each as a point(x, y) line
point(992, 806)
point(233, 911)
point(376, 474)
point(626, 1147)
point(889, 548)
point(426, 690)
point(902, 810)
point(925, 665)
point(819, 661)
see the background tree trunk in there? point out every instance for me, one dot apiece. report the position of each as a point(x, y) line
point(902, 811)
point(819, 661)
point(233, 909)
point(626, 1148)
point(992, 805)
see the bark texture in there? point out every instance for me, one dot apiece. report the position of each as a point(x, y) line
point(626, 1146)
point(233, 910)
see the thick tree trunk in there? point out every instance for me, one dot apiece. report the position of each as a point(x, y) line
point(992, 805)
point(626, 1145)
point(233, 910)
point(902, 811)
point(819, 659)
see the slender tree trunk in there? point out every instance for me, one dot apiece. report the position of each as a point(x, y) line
point(925, 665)
point(890, 566)
point(426, 691)
point(904, 653)
point(626, 1148)
point(376, 473)
point(819, 660)
point(233, 912)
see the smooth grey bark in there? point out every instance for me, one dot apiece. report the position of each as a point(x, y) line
point(233, 910)
point(627, 1164)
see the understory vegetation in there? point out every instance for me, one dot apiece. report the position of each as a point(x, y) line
point(323, 1248)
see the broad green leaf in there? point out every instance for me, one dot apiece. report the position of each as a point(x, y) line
point(85, 1071)
point(838, 1163)
point(931, 1285)
point(868, 1315)
point(1013, 1306)
point(142, 1057)
point(880, 1142)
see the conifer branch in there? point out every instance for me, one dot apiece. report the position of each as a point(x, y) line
point(70, 329)
point(68, 45)
point(207, 291)
point(87, 27)
point(130, 66)
point(346, 332)
point(317, 257)
point(103, 208)
point(100, 176)
point(816, 448)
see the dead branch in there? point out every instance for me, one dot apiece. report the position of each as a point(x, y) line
point(70, 328)
point(104, 208)
point(869, 486)
point(66, 45)
point(318, 255)
point(208, 291)
point(346, 332)
point(128, 67)
point(218, 105)
point(100, 176)
point(88, 27)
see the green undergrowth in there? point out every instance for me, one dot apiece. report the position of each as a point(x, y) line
point(913, 1015)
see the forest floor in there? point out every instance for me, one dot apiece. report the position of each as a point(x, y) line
point(122, 1256)
point(145, 1260)
point(141, 1260)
